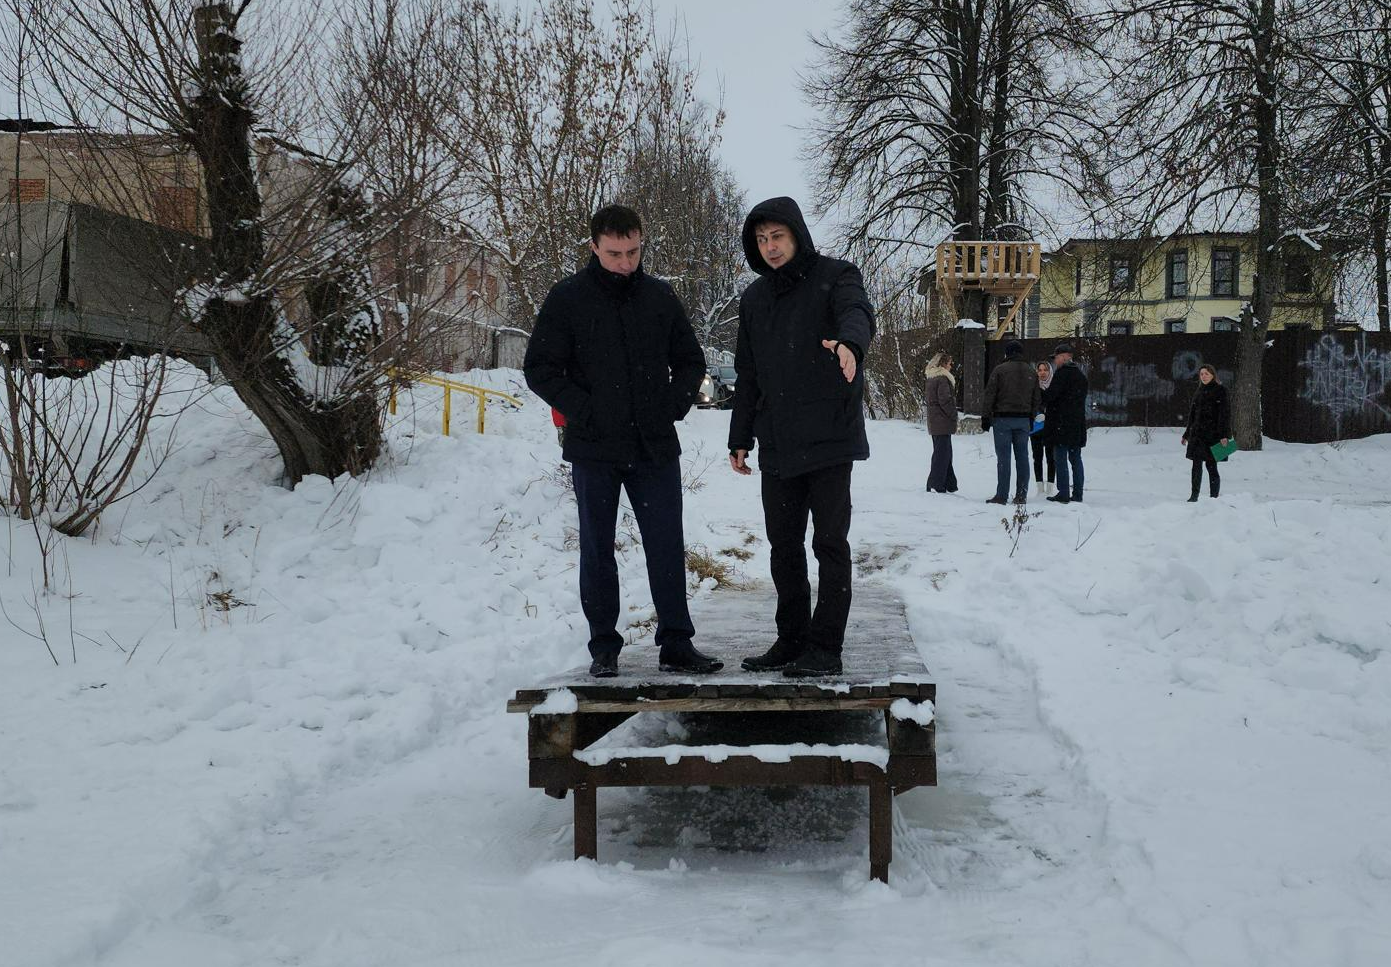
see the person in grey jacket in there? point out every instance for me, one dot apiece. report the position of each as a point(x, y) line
point(941, 423)
point(1012, 397)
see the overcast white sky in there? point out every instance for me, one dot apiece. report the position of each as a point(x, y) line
point(757, 49)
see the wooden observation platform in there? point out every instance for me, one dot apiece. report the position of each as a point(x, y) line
point(1009, 269)
point(873, 725)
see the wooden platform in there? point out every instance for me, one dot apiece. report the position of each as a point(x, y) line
point(872, 725)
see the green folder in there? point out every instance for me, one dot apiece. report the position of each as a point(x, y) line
point(1223, 452)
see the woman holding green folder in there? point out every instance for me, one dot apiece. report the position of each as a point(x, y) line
point(1209, 423)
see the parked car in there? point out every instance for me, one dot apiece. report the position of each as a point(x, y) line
point(717, 388)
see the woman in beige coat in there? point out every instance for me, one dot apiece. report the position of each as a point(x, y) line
point(941, 423)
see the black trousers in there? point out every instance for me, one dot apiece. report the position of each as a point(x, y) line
point(654, 491)
point(825, 494)
point(941, 476)
point(1214, 478)
point(1042, 452)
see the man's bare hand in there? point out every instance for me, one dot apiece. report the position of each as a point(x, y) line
point(738, 462)
point(844, 356)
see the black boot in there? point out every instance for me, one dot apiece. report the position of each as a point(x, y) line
point(604, 666)
point(1194, 498)
point(814, 663)
point(782, 654)
point(685, 658)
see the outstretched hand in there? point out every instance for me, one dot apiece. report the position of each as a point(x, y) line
point(844, 356)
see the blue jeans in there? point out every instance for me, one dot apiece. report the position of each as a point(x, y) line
point(1069, 457)
point(654, 491)
point(1011, 433)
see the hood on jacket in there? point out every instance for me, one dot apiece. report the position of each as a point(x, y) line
point(783, 210)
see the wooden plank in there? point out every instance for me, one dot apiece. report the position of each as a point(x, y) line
point(881, 830)
point(586, 822)
point(695, 771)
point(877, 646)
point(910, 738)
point(752, 704)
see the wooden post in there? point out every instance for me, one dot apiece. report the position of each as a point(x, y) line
point(881, 819)
point(482, 406)
point(446, 411)
point(586, 823)
point(973, 372)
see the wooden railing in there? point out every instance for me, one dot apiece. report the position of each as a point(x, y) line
point(999, 267)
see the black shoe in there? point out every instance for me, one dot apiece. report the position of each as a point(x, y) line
point(782, 654)
point(1021, 498)
point(1194, 498)
point(997, 500)
point(1076, 498)
point(1058, 499)
point(687, 659)
point(813, 664)
point(604, 666)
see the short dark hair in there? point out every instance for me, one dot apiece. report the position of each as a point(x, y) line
point(614, 220)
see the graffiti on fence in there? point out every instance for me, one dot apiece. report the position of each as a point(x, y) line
point(1128, 382)
point(1344, 380)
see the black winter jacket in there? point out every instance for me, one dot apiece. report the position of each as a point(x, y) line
point(1012, 390)
point(617, 356)
point(1209, 420)
point(1065, 407)
point(793, 398)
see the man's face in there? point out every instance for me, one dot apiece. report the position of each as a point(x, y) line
point(620, 254)
point(1062, 359)
point(776, 243)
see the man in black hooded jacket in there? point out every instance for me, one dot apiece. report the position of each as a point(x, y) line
point(804, 328)
point(613, 351)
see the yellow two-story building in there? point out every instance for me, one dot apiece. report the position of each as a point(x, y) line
point(1184, 283)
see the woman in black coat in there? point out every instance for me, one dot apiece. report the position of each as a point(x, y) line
point(1209, 422)
point(941, 423)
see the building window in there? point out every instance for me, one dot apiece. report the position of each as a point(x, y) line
point(1124, 328)
point(1299, 275)
point(1091, 320)
point(1077, 277)
point(1226, 263)
point(1172, 326)
point(25, 190)
point(1176, 276)
point(1224, 324)
point(1121, 275)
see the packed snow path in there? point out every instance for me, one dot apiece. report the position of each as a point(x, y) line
point(1163, 728)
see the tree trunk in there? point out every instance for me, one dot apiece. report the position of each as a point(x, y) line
point(1246, 411)
point(240, 321)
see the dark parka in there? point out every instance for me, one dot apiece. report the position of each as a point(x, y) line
point(792, 397)
point(941, 404)
point(1065, 407)
point(617, 356)
point(1209, 420)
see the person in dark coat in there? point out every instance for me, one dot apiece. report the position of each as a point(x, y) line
point(1039, 440)
point(614, 353)
point(1012, 398)
point(941, 423)
point(1065, 415)
point(804, 327)
point(1209, 422)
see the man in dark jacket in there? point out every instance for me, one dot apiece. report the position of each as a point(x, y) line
point(1012, 398)
point(804, 328)
point(613, 351)
point(1065, 406)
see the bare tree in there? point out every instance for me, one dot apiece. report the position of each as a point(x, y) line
point(939, 119)
point(692, 208)
point(1209, 95)
point(289, 301)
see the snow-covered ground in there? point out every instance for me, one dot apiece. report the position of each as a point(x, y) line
point(276, 731)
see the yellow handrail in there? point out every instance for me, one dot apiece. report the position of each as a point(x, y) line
point(479, 393)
